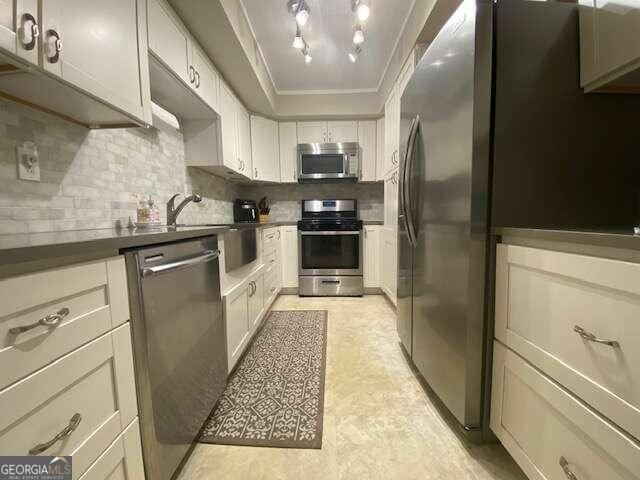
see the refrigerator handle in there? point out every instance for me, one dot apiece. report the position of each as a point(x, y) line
point(402, 189)
point(410, 221)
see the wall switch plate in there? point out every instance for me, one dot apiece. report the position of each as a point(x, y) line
point(28, 160)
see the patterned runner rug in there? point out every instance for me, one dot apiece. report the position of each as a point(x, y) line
point(275, 397)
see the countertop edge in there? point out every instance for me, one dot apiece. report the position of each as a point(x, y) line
point(620, 239)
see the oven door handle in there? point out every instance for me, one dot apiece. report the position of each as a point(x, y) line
point(356, 232)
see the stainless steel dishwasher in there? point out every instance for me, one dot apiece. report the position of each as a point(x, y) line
point(179, 346)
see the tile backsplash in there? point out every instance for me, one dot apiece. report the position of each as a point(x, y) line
point(89, 178)
point(285, 199)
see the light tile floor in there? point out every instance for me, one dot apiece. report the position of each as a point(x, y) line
point(378, 421)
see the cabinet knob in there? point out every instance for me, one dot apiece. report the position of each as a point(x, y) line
point(197, 79)
point(192, 74)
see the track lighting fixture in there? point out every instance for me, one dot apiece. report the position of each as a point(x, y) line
point(358, 35)
point(298, 41)
point(300, 10)
point(307, 54)
point(361, 9)
point(353, 56)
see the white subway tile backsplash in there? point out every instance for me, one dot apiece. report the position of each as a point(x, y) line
point(90, 177)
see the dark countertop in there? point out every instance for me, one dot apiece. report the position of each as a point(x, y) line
point(624, 239)
point(25, 247)
point(28, 247)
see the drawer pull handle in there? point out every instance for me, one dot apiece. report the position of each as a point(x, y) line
point(51, 320)
point(567, 470)
point(65, 432)
point(592, 338)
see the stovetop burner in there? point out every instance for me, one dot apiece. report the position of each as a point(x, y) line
point(329, 215)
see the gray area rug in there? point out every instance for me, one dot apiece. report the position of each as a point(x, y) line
point(275, 397)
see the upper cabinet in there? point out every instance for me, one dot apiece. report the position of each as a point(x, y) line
point(168, 40)
point(312, 132)
point(391, 131)
point(265, 150)
point(97, 55)
point(203, 77)
point(243, 140)
point(342, 132)
point(288, 152)
point(380, 150)
point(327, 132)
point(367, 141)
point(609, 46)
point(100, 77)
point(19, 28)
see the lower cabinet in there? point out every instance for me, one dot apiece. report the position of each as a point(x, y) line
point(371, 256)
point(122, 460)
point(551, 433)
point(244, 308)
point(290, 256)
point(389, 263)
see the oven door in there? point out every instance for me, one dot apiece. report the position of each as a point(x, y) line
point(330, 253)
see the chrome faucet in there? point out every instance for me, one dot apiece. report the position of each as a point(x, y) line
point(173, 212)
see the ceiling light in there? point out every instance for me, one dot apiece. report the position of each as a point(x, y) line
point(358, 35)
point(307, 55)
point(363, 12)
point(301, 17)
point(353, 56)
point(361, 9)
point(300, 10)
point(298, 41)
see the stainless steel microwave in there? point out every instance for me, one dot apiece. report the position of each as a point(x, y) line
point(328, 162)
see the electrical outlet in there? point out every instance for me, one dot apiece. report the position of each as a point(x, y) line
point(28, 160)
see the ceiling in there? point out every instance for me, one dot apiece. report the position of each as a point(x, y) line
point(329, 33)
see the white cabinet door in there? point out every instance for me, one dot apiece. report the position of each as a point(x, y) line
point(371, 255)
point(264, 148)
point(288, 152)
point(290, 257)
point(389, 265)
point(367, 141)
point(168, 40)
point(243, 148)
point(312, 132)
point(391, 133)
point(122, 460)
point(19, 20)
point(380, 150)
point(391, 200)
point(256, 301)
point(228, 128)
point(205, 78)
point(105, 50)
point(341, 132)
point(238, 323)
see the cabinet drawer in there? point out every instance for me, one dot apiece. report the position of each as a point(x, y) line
point(122, 460)
point(543, 295)
point(270, 237)
point(270, 260)
point(95, 382)
point(542, 426)
point(271, 283)
point(90, 299)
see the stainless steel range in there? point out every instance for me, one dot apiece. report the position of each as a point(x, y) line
point(330, 246)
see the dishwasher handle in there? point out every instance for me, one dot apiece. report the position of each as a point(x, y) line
point(206, 256)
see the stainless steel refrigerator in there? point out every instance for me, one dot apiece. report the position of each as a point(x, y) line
point(493, 118)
